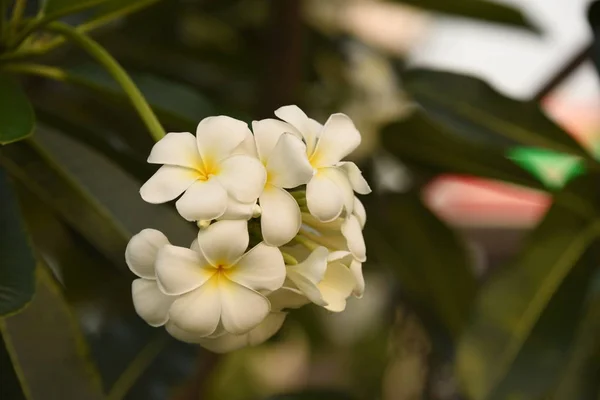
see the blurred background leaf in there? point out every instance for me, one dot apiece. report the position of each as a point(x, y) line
point(16, 112)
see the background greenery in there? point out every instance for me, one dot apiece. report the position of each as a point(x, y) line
point(86, 86)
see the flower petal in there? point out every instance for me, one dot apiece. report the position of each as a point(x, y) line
point(340, 178)
point(358, 182)
point(150, 303)
point(204, 200)
point(199, 310)
point(359, 287)
point(336, 286)
point(238, 210)
point(218, 137)
point(294, 116)
point(247, 147)
point(354, 238)
point(224, 242)
point(338, 138)
point(288, 166)
point(180, 270)
point(307, 274)
point(286, 297)
point(242, 308)
point(280, 219)
point(140, 254)
point(262, 268)
point(182, 334)
point(256, 336)
point(244, 177)
point(176, 148)
point(360, 212)
point(167, 183)
point(266, 134)
point(324, 198)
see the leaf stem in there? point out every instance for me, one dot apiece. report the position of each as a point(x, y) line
point(116, 71)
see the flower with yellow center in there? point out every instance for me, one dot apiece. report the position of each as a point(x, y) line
point(218, 284)
point(284, 156)
point(207, 169)
point(331, 189)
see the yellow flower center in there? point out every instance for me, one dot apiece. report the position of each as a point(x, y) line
point(207, 169)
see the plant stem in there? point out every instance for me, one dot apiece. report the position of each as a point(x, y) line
point(289, 259)
point(16, 16)
point(117, 72)
point(306, 242)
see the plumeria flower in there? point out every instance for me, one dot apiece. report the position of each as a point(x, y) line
point(150, 303)
point(330, 190)
point(325, 278)
point(284, 158)
point(219, 284)
point(207, 169)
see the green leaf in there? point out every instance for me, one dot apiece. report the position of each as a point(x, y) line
point(471, 107)
point(317, 394)
point(427, 257)
point(17, 264)
point(417, 139)
point(47, 348)
point(16, 115)
point(476, 9)
point(32, 167)
point(54, 9)
point(527, 314)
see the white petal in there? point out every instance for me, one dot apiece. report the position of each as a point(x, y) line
point(256, 336)
point(140, 254)
point(167, 183)
point(199, 310)
point(218, 137)
point(242, 308)
point(359, 183)
point(244, 177)
point(176, 148)
point(359, 287)
point(338, 138)
point(323, 197)
point(286, 297)
point(238, 210)
point(340, 178)
point(336, 286)
point(307, 274)
point(182, 334)
point(294, 116)
point(195, 247)
point(266, 134)
point(150, 303)
point(262, 268)
point(180, 270)
point(247, 147)
point(204, 200)
point(280, 219)
point(352, 231)
point(224, 242)
point(288, 166)
point(360, 212)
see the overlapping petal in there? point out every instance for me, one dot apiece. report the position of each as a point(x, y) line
point(141, 252)
point(198, 311)
point(281, 219)
point(203, 200)
point(294, 116)
point(244, 177)
point(150, 303)
point(242, 309)
point(307, 275)
point(358, 182)
point(288, 166)
point(180, 270)
point(338, 138)
point(218, 137)
point(352, 231)
point(262, 268)
point(336, 286)
point(176, 148)
point(324, 198)
point(224, 242)
point(267, 133)
point(168, 183)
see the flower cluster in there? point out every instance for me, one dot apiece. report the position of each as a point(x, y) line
point(285, 189)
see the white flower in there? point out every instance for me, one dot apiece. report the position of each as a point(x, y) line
point(207, 169)
point(325, 278)
point(284, 158)
point(218, 285)
point(331, 188)
point(150, 303)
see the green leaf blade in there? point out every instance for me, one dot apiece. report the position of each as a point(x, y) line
point(17, 266)
point(17, 119)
